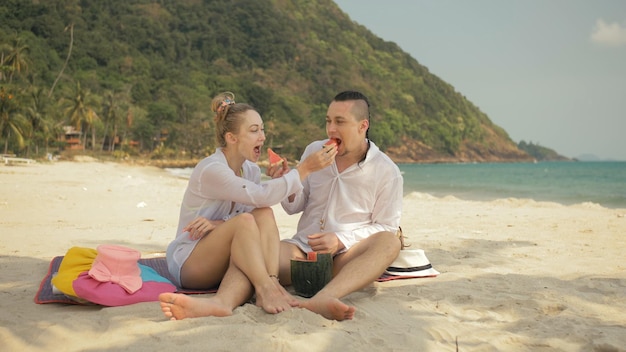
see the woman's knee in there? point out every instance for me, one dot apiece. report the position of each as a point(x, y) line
point(244, 222)
point(244, 219)
point(264, 217)
point(263, 213)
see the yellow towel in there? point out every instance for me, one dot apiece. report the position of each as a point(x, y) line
point(77, 260)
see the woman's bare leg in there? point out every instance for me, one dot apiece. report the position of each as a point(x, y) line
point(248, 255)
point(270, 245)
point(233, 291)
point(237, 241)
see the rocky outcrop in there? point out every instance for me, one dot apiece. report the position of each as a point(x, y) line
point(412, 151)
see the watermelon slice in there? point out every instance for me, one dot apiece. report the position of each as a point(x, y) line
point(274, 158)
point(310, 257)
point(332, 141)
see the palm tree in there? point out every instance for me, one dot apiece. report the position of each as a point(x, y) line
point(90, 121)
point(13, 125)
point(3, 68)
point(15, 59)
point(81, 113)
point(112, 114)
point(41, 124)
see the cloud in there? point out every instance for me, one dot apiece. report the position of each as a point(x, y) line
point(609, 34)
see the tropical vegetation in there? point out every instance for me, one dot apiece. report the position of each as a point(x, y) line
point(539, 152)
point(136, 77)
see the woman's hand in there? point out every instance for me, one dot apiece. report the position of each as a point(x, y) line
point(318, 160)
point(278, 170)
point(200, 227)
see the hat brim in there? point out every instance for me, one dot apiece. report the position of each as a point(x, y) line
point(419, 273)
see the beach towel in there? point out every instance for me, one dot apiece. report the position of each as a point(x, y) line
point(45, 293)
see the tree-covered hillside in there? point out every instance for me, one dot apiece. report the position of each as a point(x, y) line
point(142, 73)
point(541, 153)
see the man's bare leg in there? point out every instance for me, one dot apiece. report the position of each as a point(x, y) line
point(358, 267)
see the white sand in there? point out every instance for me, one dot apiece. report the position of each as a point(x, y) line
point(515, 274)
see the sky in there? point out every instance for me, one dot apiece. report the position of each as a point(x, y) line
point(551, 72)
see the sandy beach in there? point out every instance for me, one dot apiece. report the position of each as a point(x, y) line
point(516, 275)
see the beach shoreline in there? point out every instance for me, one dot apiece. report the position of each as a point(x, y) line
point(516, 274)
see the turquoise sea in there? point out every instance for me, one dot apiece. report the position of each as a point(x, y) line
point(567, 183)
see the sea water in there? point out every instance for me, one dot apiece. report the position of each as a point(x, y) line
point(567, 183)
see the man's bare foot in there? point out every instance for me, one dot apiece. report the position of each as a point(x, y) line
point(273, 298)
point(329, 307)
point(178, 306)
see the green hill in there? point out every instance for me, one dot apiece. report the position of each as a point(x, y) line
point(143, 72)
point(541, 153)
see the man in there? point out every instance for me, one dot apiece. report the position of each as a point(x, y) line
point(351, 209)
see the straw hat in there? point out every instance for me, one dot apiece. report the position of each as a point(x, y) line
point(411, 263)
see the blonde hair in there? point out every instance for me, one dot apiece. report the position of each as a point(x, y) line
point(228, 115)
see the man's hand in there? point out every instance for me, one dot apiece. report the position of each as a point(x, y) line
point(325, 242)
point(200, 227)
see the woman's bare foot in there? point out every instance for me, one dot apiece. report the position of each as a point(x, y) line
point(178, 306)
point(291, 300)
point(273, 298)
point(329, 307)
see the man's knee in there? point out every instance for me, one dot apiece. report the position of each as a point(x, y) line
point(388, 242)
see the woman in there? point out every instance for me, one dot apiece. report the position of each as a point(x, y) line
point(227, 234)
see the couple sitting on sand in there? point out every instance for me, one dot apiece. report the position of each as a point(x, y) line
point(350, 194)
